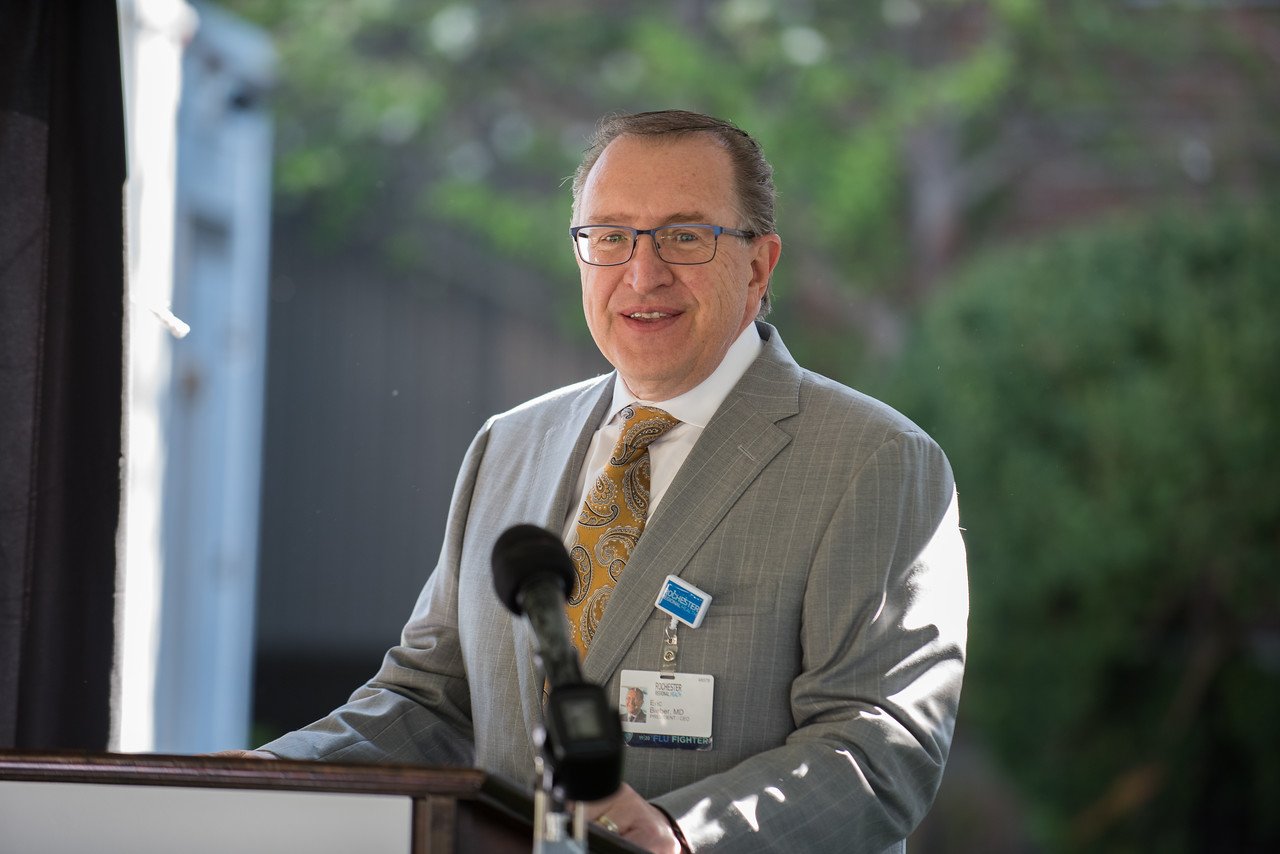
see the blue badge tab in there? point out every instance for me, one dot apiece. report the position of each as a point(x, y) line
point(683, 601)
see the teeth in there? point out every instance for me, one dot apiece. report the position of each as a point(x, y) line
point(647, 315)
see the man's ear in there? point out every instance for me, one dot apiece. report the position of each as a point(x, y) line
point(766, 250)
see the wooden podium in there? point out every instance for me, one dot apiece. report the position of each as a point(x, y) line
point(53, 803)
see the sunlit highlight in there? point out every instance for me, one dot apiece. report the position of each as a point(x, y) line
point(152, 36)
point(698, 826)
point(746, 807)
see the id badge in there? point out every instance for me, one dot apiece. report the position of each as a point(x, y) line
point(666, 710)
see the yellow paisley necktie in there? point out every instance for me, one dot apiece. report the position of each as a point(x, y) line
point(611, 520)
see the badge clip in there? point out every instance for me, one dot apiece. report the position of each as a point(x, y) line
point(683, 601)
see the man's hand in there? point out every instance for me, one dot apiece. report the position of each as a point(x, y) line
point(638, 820)
point(244, 754)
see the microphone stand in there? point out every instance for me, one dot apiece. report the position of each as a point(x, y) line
point(579, 742)
point(555, 829)
point(578, 759)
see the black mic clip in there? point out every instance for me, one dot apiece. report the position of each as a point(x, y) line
point(584, 742)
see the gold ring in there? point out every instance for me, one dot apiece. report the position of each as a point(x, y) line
point(607, 823)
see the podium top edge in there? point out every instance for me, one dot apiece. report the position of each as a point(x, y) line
point(227, 772)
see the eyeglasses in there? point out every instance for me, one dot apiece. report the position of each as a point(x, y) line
point(683, 243)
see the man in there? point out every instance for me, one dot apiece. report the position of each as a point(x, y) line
point(822, 523)
point(635, 707)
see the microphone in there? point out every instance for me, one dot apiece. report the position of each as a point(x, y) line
point(532, 575)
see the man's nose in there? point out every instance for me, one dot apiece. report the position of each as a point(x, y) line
point(646, 270)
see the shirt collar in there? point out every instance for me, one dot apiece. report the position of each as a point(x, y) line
point(698, 404)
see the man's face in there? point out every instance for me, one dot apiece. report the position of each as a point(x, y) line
point(634, 700)
point(666, 327)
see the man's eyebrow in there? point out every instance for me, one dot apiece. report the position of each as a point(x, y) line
point(690, 217)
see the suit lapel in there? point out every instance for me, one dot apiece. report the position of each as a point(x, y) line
point(557, 459)
point(741, 439)
point(561, 451)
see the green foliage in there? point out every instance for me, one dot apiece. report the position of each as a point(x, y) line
point(515, 226)
point(403, 116)
point(1108, 399)
point(423, 96)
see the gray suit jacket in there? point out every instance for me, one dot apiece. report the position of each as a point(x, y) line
point(823, 523)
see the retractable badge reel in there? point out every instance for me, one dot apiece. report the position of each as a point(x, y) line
point(686, 604)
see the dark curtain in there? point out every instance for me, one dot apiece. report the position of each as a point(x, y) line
point(61, 375)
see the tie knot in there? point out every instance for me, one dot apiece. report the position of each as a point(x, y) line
point(643, 425)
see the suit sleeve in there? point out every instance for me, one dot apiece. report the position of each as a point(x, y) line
point(417, 708)
point(883, 633)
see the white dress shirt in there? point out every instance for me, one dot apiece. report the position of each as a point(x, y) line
point(668, 452)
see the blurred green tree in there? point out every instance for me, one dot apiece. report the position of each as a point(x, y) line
point(907, 133)
point(1108, 399)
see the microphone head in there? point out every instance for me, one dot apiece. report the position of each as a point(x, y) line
point(524, 553)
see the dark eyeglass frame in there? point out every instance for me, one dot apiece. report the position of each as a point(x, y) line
point(716, 231)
